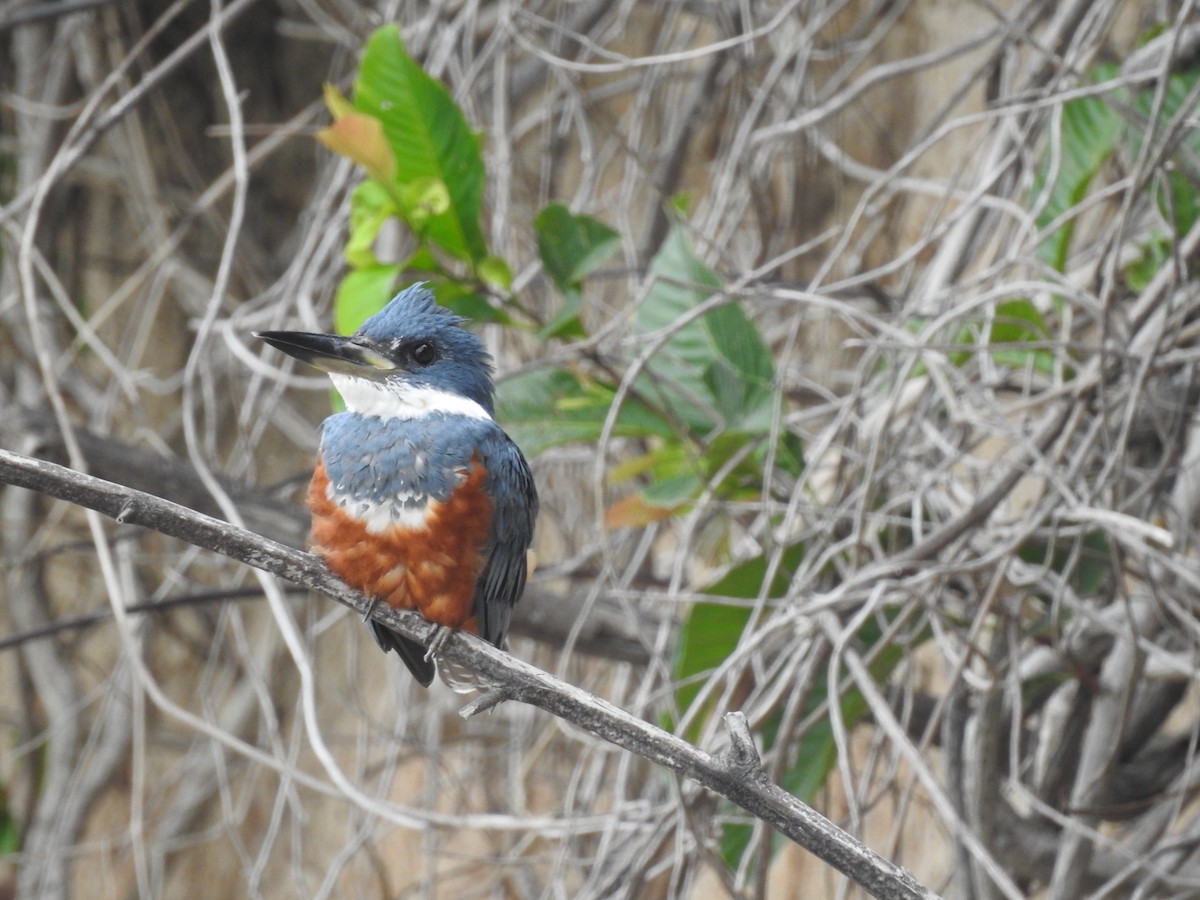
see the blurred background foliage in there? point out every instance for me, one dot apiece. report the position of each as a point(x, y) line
point(853, 347)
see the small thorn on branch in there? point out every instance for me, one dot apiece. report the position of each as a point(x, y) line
point(741, 756)
point(128, 508)
point(489, 699)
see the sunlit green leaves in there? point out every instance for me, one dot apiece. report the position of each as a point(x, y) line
point(437, 154)
point(425, 170)
point(705, 400)
point(371, 205)
point(361, 294)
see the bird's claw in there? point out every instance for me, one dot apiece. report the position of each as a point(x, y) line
point(440, 636)
point(370, 609)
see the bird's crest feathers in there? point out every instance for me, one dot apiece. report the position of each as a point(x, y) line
point(412, 312)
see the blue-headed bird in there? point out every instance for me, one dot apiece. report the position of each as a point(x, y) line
point(419, 499)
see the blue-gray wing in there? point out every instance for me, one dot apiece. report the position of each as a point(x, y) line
point(514, 511)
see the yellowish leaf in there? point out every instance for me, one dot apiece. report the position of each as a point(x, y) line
point(338, 104)
point(631, 468)
point(357, 136)
point(634, 512)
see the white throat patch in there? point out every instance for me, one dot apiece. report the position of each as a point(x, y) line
point(397, 400)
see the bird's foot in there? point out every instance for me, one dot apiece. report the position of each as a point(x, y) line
point(440, 636)
point(370, 609)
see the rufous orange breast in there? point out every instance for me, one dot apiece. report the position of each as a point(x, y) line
point(432, 568)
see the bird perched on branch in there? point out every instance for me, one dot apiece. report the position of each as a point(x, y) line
point(419, 498)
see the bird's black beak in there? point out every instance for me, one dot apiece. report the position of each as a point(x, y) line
point(330, 353)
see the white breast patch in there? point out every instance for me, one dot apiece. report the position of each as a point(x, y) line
point(379, 518)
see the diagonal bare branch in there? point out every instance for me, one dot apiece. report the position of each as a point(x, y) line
point(728, 774)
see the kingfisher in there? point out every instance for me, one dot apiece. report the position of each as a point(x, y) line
point(419, 499)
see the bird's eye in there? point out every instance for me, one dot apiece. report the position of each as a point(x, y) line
point(424, 353)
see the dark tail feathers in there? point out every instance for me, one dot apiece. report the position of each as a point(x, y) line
point(408, 650)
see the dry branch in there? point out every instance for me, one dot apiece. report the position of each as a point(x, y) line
point(736, 774)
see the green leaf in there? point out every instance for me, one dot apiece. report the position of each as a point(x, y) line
point(656, 460)
point(1096, 565)
point(572, 246)
point(1175, 192)
point(707, 639)
point(790, 454)
point(463, 299)
point(548, 407)
point(721, 450)
point(566, 324)
point(1154, 253)
point(1179, 202)
point(1093, 128)
point(712, 630)
point(816, 753)
point(816, 757)
point(10, 830)
point(1090, 131)
point(634, 512)
point(674, 483)
point(679, 474)
point(362, 293)
point(1087, 562)
point(422, 261)
point(422, 200)
point(670, 492)
point(1014, 323)
point(715, 372)
point(1020, 322)
point(495, 271)
point(430, 138)
point(370, 207)
point(738, 342)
